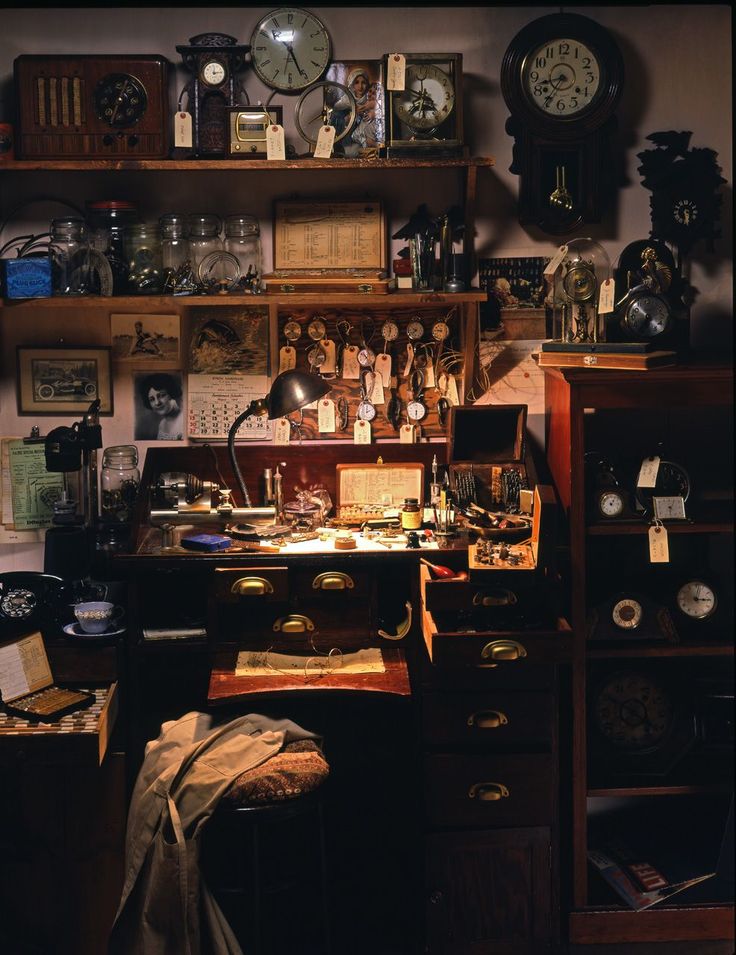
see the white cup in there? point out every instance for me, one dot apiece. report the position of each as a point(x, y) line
point(96, 616)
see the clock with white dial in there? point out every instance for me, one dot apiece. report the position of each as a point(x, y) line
point(610, 503)
point(561, 77)
point(290, 49)
point(427, 99)
point(213, 73)
point(697, 600)
point(627, 613)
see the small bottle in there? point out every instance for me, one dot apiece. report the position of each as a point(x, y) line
point(69, 254)
point(143, 253)
point(411, 515)
point(121, 481)
point(243, 240)
point(204, 238)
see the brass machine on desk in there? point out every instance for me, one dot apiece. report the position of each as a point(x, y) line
point(180, 497)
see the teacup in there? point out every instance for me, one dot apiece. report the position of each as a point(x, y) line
point(97, 616)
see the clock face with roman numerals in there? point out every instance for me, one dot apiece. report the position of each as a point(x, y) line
point(290, 49)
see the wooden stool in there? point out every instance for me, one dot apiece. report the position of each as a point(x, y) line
point(259, 862)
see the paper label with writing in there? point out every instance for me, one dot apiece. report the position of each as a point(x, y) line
point(396, 78)
point(383, 368)
point(648, 472)
point(281, 431)
point(350, 366)
point(409, 360)
point(659, 551)
point(452, 395)
point(605, 298)
point(287, 358)
point(275, 146)
point(376, 397)
point(555, 262)
point(326, 416)
point(429, 381)
point(361, 432)
point(408, 434)
point(325, 142)
point(329, 365)
point(183, 129)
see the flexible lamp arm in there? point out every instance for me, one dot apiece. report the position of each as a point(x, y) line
point(257, 406)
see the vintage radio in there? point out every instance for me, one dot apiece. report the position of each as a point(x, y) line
point(247, 126)
point(92, 106)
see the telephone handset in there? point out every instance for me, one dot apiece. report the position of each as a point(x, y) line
point(29, 599)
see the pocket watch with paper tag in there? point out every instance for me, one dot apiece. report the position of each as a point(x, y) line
point(426, 117)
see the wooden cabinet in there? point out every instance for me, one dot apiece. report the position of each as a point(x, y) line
point(685, 415)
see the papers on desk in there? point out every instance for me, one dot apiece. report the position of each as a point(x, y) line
point(268, 663)
point(24, 667)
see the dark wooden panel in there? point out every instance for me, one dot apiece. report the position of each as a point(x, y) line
point(660, 924)
point(488, 719)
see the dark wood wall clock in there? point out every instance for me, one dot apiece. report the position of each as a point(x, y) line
point(214, 60)
point(562, 78)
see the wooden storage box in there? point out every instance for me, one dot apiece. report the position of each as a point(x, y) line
point(366, 491)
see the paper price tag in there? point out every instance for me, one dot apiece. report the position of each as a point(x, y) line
point(376, 396)
point(183, 129)
point(361, 432)
point(409, 360)
point(383, 368)
point(329, 365)
point(659, 551)
point(326, 416)
point(407, 434)
point(429, 381)
point(275, 145)
point(350, 366)
point(287, 358)
point(452, 395)
point(396, 79)
point(555, 262)
point(605, 299)
point(325, 142)
point(281, 431)
point(648, 472)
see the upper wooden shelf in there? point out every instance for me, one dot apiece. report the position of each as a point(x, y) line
point(240, 165)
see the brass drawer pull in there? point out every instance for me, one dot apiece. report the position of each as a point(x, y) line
point(333, 580)
point(365, 287)
point(503, 650)
point(498, 598)
point(488, 792)
point(294, 623)
point(488, 719)
point(287, 287)
point(252, 587)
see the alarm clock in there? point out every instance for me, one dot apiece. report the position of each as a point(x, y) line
point(95, 106)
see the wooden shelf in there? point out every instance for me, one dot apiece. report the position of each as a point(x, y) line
point(697, 923)
point(633, 650)
point(705, 789)
point(306, 164)
point(685, 527)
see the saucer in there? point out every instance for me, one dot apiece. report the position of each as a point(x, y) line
point(74, 630)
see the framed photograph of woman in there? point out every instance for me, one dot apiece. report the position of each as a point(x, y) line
point(63, 381)
point(159, 406)
point(364, 79)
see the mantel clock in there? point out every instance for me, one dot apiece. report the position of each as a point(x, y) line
point(562, 78)
point(214, 60)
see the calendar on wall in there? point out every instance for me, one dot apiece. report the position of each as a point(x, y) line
point(215, 401)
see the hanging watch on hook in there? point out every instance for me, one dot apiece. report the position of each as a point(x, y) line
point(416, 410)
point(366, 408)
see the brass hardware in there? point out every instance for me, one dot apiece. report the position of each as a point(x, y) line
point(287, 287)
point(502, 598)
point(333, 580)
point(503, 650)
point(488, 792)
point(252, 587)
point(294, 623)
point(365, 288)
point(488, 719)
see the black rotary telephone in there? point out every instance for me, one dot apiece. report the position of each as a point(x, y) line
point(29, 600)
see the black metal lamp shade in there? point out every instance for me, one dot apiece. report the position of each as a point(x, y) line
point(293, 390)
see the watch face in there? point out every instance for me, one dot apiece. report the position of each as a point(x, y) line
point(648, 316)
point(390, 331)
point(697, 600)
point(366, 411)
point(427, 99)
point(627, 613)
point(292, 331)
point(440, 331)
point(633, 712)
point(213, 73)
point(610, 504)
point(561, 77)
point(580, 283)
point(414, 331)
point(416, 410)
point(290, 49)
point(685, 212)
point(120, 100)
point(316, 329)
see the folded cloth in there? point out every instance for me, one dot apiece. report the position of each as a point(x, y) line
point(298, 769)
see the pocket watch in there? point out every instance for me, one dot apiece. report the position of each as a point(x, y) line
point(390, 331)
point(610, 503)
point(292, 331)
point(416, 410)
point(696, 600)
point(290, 49)
point(414, 330)
point(425, 118)
point(316, 329)
point(440, 331)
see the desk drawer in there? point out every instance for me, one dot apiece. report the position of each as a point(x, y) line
point(250, 586)
point(488, 719)
point(489, 790)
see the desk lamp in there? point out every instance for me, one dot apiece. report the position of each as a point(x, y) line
point(290, 391)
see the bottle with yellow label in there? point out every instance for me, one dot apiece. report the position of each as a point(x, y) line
point(411, 515)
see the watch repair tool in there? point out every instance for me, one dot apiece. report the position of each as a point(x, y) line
point(179, 497)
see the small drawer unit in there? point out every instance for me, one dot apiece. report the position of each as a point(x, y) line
point(488, 719)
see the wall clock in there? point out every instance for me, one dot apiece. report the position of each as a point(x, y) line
point(426, 117)
point(290, 49)
point(213, 59)
point(562, 78)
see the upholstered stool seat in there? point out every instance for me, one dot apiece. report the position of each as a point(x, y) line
point(264, 859)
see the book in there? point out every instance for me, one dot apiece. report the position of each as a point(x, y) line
point(619, 360)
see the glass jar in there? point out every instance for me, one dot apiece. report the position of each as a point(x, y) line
point(243, 240)
point(69, 255)
point(175, 254)
point(120, 480)
point(411, 514)
point(107, 220)
point(143, 254)
point(204, 239)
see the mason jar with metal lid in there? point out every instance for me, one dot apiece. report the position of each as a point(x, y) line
point(175, 254)
point(143, 253)
point(243, 240)
point(204, 238)
point(121, 481)
point(107, 220)
point(69, 256)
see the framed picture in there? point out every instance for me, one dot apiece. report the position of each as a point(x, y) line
point(158, 406)
point(63, 381)
point(144, 338)
point(364, 79)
